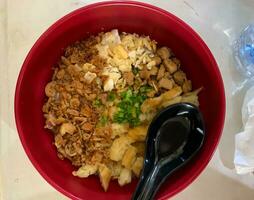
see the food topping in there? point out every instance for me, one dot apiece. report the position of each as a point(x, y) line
point(102, 97)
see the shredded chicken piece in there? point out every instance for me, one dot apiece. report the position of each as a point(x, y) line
point(164, 52)
point(166, 83)
point(161, 72)
point(179, 77)
point(170, 66)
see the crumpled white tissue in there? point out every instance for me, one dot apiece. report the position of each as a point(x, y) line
point(244, 141)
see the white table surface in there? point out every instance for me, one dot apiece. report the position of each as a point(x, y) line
point(217, 22)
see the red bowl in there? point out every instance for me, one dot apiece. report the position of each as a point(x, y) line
point(166, 29)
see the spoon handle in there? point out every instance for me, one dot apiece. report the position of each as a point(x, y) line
point(150, 184)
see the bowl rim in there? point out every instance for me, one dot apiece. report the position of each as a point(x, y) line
point(181, 23)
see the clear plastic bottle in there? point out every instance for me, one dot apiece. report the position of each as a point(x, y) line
point(244, 52)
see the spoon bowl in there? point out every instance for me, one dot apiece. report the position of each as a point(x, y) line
point(175, 135)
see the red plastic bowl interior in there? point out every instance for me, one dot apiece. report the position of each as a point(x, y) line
point(197, 61)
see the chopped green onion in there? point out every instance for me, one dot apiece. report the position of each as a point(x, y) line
point(129, 106)
point(111, 96)
point(135, 70)
point(103, 120)
point(144, 89)
point(97, 103)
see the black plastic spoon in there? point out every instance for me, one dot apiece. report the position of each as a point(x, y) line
point(174, 137)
